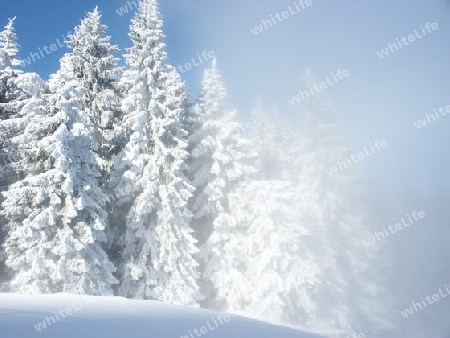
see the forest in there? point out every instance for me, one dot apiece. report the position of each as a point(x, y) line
point(115, 182)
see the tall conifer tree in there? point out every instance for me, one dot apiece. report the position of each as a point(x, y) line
point(149, 182)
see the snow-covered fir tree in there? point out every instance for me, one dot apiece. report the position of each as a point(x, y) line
point(16, 88)
point(151, 190)
point(8, 91)
point(221, 165)
point(270, 253)
point(247, 226)
point(98, 73)
point(56, 213)
point(334, 210)
point(209, 120)
point(97, 69)
point(9, 72)
point(11, 164)
point(12, 98)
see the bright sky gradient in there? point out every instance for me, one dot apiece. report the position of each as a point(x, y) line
point(381, 99)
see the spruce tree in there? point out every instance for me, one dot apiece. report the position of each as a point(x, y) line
point(9, 72)
point(334, 210)
point(150, 187)
point(56, 214)
point(97, 70)
point(269, 236)
point(222, 163)
point(16, 88)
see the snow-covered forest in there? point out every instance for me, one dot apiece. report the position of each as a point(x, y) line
point(115, 182)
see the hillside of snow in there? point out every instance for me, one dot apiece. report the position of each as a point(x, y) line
point(72, 316)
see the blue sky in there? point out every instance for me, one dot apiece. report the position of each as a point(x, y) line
point(381, 99)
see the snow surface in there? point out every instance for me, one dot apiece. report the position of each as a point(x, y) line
point(117, 317)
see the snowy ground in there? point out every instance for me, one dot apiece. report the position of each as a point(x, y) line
point(71, 316)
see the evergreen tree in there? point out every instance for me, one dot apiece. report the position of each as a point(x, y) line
point(272, 253)
point(12, 98)
point(266, 251)
point(56, 213)
point(15, 89)
point(10, 93)
point(151, 189)
point(97, 71)
point(334, 210)
point(203, 143)
point(221, 164)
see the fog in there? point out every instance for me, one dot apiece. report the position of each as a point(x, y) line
point(381, 99)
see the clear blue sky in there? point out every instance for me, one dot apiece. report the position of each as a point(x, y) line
point(381, 99)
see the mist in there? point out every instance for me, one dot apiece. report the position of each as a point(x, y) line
point(381, 99)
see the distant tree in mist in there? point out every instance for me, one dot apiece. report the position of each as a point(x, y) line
point(220, 164)
point(334, 210)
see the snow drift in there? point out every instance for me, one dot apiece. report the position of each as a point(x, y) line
point(70, 316)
